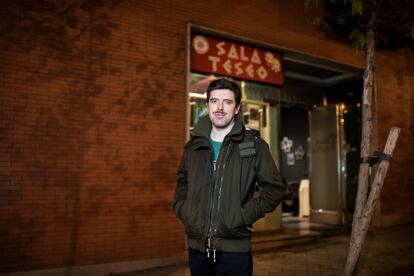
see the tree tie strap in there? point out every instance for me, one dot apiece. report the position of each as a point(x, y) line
point(376, 158)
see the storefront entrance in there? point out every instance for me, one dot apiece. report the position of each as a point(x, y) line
point(320, 151)
point(305, 108)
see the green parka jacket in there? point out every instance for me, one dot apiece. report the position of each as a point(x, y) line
point(220, 203)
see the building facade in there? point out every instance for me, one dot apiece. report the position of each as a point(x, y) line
point(95, 112)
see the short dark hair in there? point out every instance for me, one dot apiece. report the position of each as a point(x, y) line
point(224, 83)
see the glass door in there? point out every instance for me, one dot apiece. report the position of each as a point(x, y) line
point(327, 165)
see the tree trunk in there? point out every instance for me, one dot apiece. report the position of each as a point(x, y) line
point(363, 208)
point(363, 179)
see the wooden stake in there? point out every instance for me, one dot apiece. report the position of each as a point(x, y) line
point(359, 235)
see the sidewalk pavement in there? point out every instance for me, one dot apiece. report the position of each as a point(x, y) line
point(387, 251)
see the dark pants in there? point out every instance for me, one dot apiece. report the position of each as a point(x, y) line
point(239, 264)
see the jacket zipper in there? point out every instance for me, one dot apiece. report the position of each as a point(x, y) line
point(212, 229)
point(220, 188)
point(213, 167)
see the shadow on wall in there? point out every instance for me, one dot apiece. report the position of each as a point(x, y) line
point(65, 43)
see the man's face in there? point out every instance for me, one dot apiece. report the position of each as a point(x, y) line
point(222, 107)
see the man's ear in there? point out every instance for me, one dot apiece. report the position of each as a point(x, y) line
point(237, 109)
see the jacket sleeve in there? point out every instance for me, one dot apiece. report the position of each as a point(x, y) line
point(181, 187)
point(272, 187)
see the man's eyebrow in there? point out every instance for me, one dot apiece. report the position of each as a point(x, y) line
point(212, 98)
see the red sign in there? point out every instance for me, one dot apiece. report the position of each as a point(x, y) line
point(215, 55)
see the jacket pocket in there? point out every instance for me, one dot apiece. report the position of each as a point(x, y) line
point(193, 221)
point(232, 226)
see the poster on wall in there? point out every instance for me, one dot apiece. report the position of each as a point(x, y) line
point(217, 55)
point(251, 117)
point(286, 144)
point(198, 111)
point(299, 153)
point(290, 159)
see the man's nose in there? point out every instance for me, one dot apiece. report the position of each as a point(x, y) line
point(221, 105)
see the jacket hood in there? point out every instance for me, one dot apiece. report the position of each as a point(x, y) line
point(203, 128)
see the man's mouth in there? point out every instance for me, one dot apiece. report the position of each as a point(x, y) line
point(220, 114)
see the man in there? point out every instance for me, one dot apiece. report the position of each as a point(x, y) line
point(216, 181)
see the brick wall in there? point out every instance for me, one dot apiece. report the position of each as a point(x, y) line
point(92, 120)
point(395, 99)
point(92, 127)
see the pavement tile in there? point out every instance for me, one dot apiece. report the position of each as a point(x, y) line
point(288, 272)
point(301, 267)
point(288, 267)
point(314, 272)
point(272, 274)
point(328, 273)
point(276, 269)
point(301, 272)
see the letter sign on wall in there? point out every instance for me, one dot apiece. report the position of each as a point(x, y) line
point(216, 55)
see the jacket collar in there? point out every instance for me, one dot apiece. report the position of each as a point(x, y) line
point(203, 129)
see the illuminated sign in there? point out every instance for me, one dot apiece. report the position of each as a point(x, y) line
point(215, 55)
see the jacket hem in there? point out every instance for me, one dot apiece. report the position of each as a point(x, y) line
point(223, 245)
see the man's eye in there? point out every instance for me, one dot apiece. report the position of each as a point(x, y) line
point(213, 101)
point(228, 102)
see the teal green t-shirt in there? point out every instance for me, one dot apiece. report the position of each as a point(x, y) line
point(216, 150)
